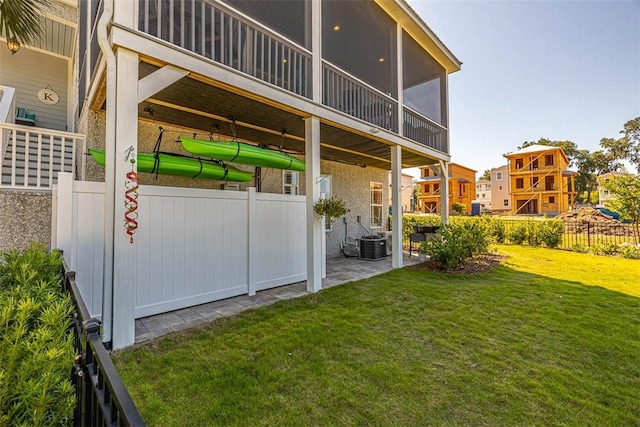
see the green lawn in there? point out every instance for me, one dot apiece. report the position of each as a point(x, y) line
point(550, 338)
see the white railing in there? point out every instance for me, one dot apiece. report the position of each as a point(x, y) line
point(227, 37)
point(424, 130)
point(34, 156)
point(354, 97)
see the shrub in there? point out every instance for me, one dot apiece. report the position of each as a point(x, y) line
point(630, 252)
point(497, 230)
point(457, 243)
point(36, 348)
point(458, 207)
point(551, 232)
point(580, 249)
point(518, 233)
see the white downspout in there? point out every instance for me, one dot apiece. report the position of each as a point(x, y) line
point(110, 182)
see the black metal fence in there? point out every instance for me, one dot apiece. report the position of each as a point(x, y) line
point(101, 397)
point(583, 233)
point(586, 234)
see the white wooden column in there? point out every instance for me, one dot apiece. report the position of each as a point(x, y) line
point(312, 188)
point(124, 254)
point(316, 51)
point(396, 205)
point(400, 78)
point(444, 191)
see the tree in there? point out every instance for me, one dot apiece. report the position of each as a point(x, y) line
point(626, 200)
point(590, 165)
point(627, 147)
point(486, 175)
point(22, 20)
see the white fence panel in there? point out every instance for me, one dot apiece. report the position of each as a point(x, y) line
point(280, 240)
point(87, 243)
point(192, 245)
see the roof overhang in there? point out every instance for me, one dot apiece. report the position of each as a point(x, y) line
point(416, 28)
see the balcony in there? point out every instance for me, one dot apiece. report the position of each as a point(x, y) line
point(222, 34)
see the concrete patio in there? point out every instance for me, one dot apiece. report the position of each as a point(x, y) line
point(339, 271)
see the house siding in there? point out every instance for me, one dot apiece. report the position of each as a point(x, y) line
point(24, 72)
point(499, 195)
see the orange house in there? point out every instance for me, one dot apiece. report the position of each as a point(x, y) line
point(461, 188)
point(540, 182)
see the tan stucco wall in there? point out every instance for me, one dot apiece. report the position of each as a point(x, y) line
point(24, 217)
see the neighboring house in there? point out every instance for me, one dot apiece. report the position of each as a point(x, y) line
point(461, 182)
point(603, 194)
point(483, 194)
point(407, 192)
point(500, 197)
point(297, 76)
point(540, 182)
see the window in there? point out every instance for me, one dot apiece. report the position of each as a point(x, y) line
point(534, 165)
point(519, 163)
point(548, 160)
point(500, 187)
point(506, 202)
point(519, 183)
point(552, 199)
point(427, 187)
point(290, 182)
point(436, 188)
point(478, 187)
point(499, 175)
point(534, 182)
point(376, 204)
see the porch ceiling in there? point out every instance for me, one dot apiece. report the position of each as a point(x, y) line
point(195, 104)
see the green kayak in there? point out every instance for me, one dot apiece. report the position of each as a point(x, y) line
point(176, 165)
point(246, 154)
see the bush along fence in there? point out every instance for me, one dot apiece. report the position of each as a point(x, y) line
point(577, 235)
point(102, 399)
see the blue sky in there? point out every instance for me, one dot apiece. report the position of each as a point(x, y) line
point(562, 70)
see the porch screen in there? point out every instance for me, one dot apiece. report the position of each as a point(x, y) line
point(289, 18)
point(423, 81)
point(360, 38)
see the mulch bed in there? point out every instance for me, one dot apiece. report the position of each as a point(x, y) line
point(476, 265)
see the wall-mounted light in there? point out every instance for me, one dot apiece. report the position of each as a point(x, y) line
point(13, 45)
point(336, 28)
point(380, 59)
point(149, 110)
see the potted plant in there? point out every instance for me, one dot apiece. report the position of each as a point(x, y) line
point(329, 209)
point(422, 251)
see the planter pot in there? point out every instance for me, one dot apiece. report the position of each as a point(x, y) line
point(422, 257)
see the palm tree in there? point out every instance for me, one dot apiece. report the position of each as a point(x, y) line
point(22, 21)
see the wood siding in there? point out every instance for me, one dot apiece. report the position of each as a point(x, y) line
point(28, 72)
